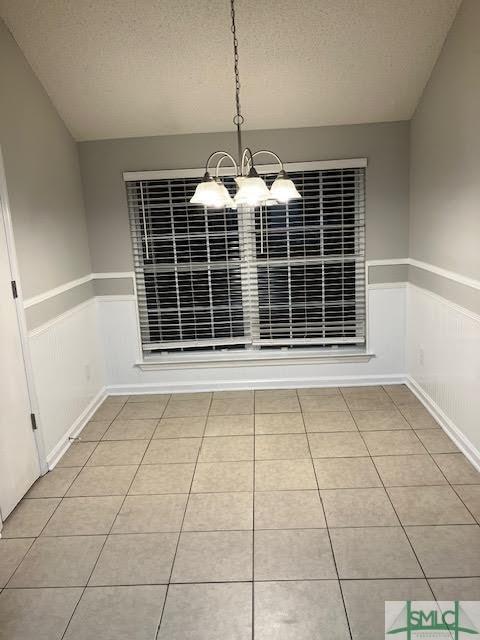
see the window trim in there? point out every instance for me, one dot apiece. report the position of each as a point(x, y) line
point(279, 356)
point(219, 359)
point(319, 165)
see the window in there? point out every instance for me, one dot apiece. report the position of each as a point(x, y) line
point(277, 276)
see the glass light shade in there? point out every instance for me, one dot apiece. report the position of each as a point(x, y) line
point(251, 191)
point(226, 197)
point(208, 193)
point(283, 188)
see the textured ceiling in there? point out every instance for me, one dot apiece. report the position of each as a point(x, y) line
point(118, 68)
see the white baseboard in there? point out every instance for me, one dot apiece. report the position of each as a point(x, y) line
point(224, 385)
point(454, 433)
point(54, 456)
point(451, 429)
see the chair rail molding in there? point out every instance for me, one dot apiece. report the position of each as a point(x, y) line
point(51, 293)
point(426, 266)
point(382, 262)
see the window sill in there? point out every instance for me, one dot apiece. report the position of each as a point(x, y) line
point(253, 358)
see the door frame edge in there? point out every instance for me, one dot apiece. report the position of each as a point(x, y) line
point(6, 218)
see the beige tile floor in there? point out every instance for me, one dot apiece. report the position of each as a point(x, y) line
point(290, 515)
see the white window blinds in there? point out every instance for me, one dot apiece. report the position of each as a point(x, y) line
point(284, 275)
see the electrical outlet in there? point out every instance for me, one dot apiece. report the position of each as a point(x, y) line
point(421, 356)
point(88, 372)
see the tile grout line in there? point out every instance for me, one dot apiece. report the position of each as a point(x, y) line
point(164, 584)
point(427, 452)
point(96, 442)
point(62, 498)
point(264, 435)
point(396, 514)
point(106, 537)
point(182, 522)
point(339, 582)
point(452, 486)
point(138, 533)
point(21, 560)
point(106, 495)
point(391, 502)
point(475, 521)
point(448, 483)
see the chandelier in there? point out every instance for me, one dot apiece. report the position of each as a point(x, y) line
point(252, 189)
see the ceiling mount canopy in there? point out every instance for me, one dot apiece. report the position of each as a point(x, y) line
point(252, 189)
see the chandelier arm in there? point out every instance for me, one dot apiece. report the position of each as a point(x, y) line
point(216, 153)
point(224, 157)
point(246, 151)
point(267, 151)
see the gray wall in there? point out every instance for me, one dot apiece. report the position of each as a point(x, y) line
point(386, 146)
point(43, 178)
point(445, 154)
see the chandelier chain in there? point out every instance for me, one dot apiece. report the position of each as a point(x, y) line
point(238, 118)
point(252, 189)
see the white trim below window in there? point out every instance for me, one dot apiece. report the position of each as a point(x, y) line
point(249, 358)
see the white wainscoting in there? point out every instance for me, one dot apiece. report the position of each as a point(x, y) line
point(414, 335)
point(443, 362)
point(68, 367)
point(387, 328)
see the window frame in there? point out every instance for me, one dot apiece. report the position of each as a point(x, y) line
point(280, 355)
